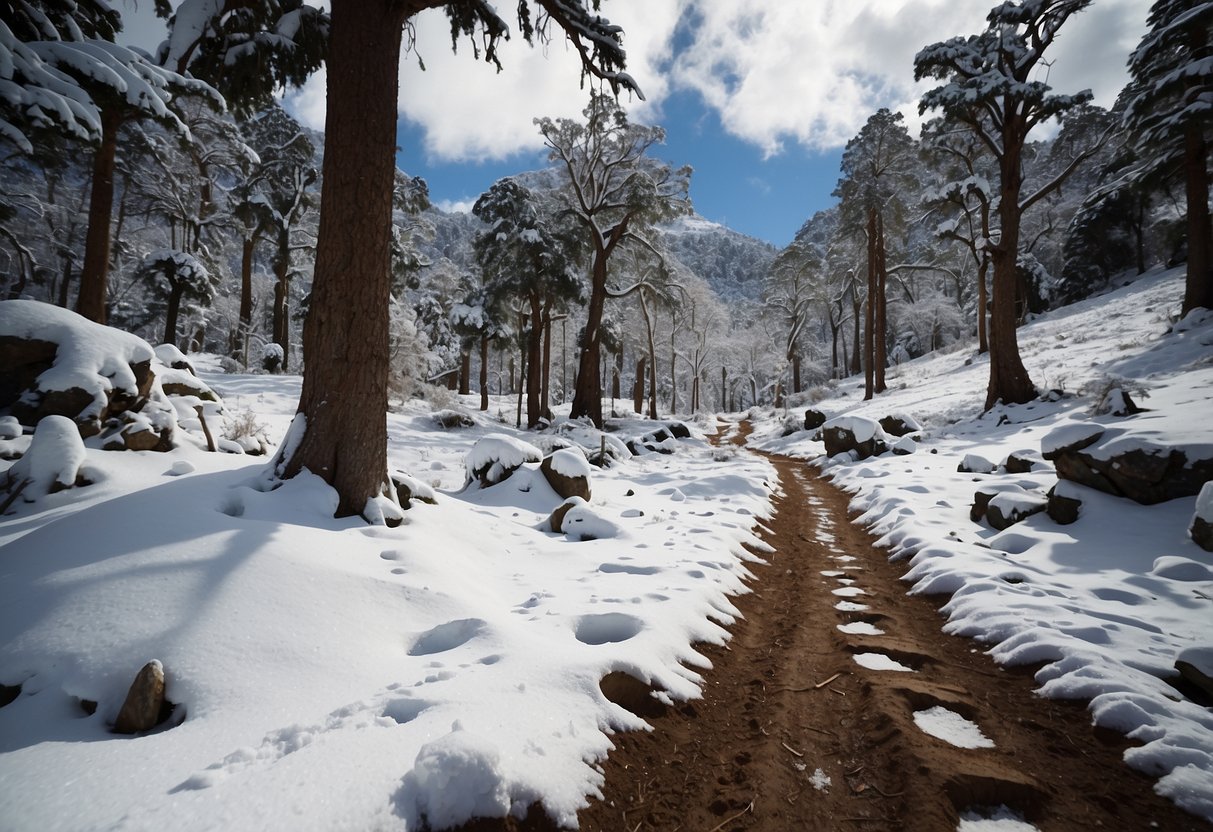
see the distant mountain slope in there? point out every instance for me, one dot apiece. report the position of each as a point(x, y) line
point(732, 263)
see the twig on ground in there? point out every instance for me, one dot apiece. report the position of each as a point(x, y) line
point(820, 685)
point(727, 821)
point(790, 748)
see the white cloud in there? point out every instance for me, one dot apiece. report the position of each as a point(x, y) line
point(776, 72)
point(456, 206)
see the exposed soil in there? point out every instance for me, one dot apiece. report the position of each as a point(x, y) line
point(786, 702)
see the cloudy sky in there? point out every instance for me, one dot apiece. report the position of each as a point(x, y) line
point(759, 96)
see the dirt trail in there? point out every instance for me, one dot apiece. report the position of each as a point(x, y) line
point(787, 705)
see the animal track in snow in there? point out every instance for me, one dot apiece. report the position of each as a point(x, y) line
point(607, 627)
point(446, 636)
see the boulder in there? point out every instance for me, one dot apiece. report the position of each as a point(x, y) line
point(864, 437)
point(145, 704)
point(1201, 529)
point(556, 520)
point(496, 456)
point(678, 430)
point(568, 472)
point(975, 464)
point(1009, 507)
point(899, 424)
point(1195, 665)
point(52, 463)
point(1021, 462)
point(813, 419)
point(1063, 504)
point(905, 446)
point(1127, 464)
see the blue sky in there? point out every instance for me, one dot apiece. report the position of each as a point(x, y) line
point(760, 96)
point(733, 183)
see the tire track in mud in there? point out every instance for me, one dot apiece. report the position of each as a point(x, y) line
point(787, 708)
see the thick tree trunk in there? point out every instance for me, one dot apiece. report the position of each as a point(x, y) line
point(282, 288)
point(587, 397)
point(345, 337)
point(484, 372)
point(94, 274)
point(465, 372)
point(171, 315)
point(856, 364)
point(795, 372)
point(1009, 380)
point(1198, 291)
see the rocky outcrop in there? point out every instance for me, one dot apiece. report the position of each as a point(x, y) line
point(1132, 465)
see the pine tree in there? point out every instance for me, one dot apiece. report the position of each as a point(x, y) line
point(1170, 114)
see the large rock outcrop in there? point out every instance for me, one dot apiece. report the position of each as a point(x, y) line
point(857, 434)
point(1132, 464)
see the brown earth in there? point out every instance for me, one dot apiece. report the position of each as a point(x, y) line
point(786, 701)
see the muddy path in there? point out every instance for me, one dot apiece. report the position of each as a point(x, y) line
point(793, 733)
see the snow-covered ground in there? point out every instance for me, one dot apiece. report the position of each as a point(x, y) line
point(333, 675)
point(1108, 603)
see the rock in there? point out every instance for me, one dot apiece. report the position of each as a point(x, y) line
point(857, 434)
point(556, 520)
point(678, 430)
point(813, 419)
point(1008, 508)
point(981, 500)
point(1021, 462)
point(1126, 464)
point(1063, 505)
point(495, 457)
point(448, 419)
point(145, 704)
point(1117, 402)
point(10, 428)
point(170, 356)
point(905, 446)
point(1195, 665)
point(409, 489)
point(183, 383)
point(568, 472)
point(52, 463)
point(1201, 529)
point(899, 424)
point(975, 464)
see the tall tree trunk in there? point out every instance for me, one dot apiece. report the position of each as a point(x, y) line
point(95, 272)
point(281, 326)
point(869, 315)
point(587, 396)
point(545, 399)
point(856, 309)
point(983, 314)
point(1198, 290)
point(616, 373)
point(795, 372)
point(484, 372)
point(345, 337)
point(880, 356)
point(174, 309)
point(638, 386)
point(1009, 380)
point(673, 369)
point(65, 285)
point(246, 295)
point(465, 372)
point(534, 375)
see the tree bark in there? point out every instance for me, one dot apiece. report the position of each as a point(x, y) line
point(545, 399)
point(282, 287)
point(1009, 380)
point(465, 372)
point(869, 315)
point(174, 309)
point(587, 395)
point(724, 386)
point(880, 355)
point(246, 295)
point(1198, 289)
point(983, 341)
point(94, 274)
point(638, 387)
point(345, 337)
point(484, 372)
point(534, 376)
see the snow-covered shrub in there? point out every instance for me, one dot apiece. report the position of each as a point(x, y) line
point(243, 428)
point(272, 357)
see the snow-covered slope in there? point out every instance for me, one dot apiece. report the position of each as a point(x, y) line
point(1108, 603)
point(732, 263)
point(333, 675)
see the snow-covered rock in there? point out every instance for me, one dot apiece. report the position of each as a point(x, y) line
point(1201, 527)
point(975, 464)
point(857, 434)
point(568, 472)
point(52, 463)
point(496, 456)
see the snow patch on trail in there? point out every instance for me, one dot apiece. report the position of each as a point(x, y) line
point(951, 727)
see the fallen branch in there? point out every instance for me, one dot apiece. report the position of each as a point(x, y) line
point(790, 748)
point(727, 821)
point(12, 497)
point(821, 685)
